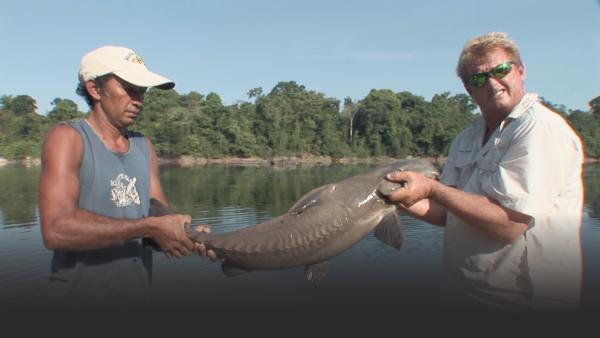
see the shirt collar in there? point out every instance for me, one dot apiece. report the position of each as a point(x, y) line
point(527, 101)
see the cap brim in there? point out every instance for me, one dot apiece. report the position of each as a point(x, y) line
point(145, 78)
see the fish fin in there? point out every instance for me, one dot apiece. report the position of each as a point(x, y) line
point(232, 270)
point(158, 209)
point(307, 201)
point(315, 273)
point(389, 230)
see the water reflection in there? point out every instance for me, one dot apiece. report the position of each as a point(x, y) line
point(592, 191)
point(18, 196)
point(211, 187)
point(228, 198)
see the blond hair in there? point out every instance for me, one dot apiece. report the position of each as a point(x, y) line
point(479, 46)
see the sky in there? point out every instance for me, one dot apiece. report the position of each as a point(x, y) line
point(339, 48)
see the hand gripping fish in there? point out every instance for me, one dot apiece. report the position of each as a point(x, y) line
point(319, 226)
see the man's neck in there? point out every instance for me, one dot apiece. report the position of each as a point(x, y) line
point(104, 125)
point(491, 124)
point(114, 138)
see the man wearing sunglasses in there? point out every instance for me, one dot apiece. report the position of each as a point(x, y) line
point(510, 194)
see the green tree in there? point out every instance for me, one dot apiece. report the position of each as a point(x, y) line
point(350, 109)
point(64, 110)
point(19, 105)
point(588, 128)
point(383, 124)
point(557, 108)
point(292, 120)
point(159, 121)
point(595, 107)
point(236, 124)
point(445, 117)
point(256, 93)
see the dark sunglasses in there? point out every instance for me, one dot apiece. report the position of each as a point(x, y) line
point(498, 72)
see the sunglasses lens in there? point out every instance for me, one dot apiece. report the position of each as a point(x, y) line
point(477, 80)
point(501, 70)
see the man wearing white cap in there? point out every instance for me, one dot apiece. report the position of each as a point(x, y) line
point(96, 183)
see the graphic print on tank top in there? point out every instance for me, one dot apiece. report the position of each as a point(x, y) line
point(123, 191)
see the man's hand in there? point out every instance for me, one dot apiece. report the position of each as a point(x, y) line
point(169, 234)
point(200, 249)
point(413, 188)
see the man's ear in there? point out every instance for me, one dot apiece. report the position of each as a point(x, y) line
point(468, 89)
point(521, 70)
point(93, 89)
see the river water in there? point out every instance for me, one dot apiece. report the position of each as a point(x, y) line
point(368, 276)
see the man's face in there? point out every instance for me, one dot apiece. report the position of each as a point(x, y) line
point(121, 101)
point(497, 97)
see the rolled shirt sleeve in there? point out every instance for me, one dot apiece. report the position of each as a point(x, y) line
point(529, 172)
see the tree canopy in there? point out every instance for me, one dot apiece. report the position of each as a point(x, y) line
point(290, 120)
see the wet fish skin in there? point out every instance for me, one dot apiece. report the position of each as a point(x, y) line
point(322, 224)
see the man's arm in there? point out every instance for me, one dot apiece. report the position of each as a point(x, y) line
point(156, 192)
point(419, 192)
point(67, 227)
point(428, 210)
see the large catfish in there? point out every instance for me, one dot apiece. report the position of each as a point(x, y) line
point(322, 224)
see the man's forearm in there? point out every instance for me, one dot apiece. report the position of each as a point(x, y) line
point(79, 229)
point(429, 211)
point(482, 213)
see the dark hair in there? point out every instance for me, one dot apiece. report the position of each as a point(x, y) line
point(82, 91)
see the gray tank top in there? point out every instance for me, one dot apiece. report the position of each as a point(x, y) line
point(114, 185)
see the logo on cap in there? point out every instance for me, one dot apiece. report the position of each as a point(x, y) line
point(133, 57)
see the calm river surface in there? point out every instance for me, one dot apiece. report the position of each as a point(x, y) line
point(370, 275)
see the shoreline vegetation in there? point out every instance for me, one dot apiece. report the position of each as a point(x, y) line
point(283, 161)
point(276, 161)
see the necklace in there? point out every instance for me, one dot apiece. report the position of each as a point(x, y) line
point(105, 142)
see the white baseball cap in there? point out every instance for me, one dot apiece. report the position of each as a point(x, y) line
point(124, 63)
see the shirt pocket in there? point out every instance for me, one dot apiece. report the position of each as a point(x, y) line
point(464, 158)
point(489, 161)
point(488, 165)
point(455, 170)
point(463, 166)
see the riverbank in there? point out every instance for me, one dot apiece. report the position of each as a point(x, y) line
point(276, 161)
point(28, 162)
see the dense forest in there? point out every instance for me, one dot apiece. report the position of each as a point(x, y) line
point(290, 120)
